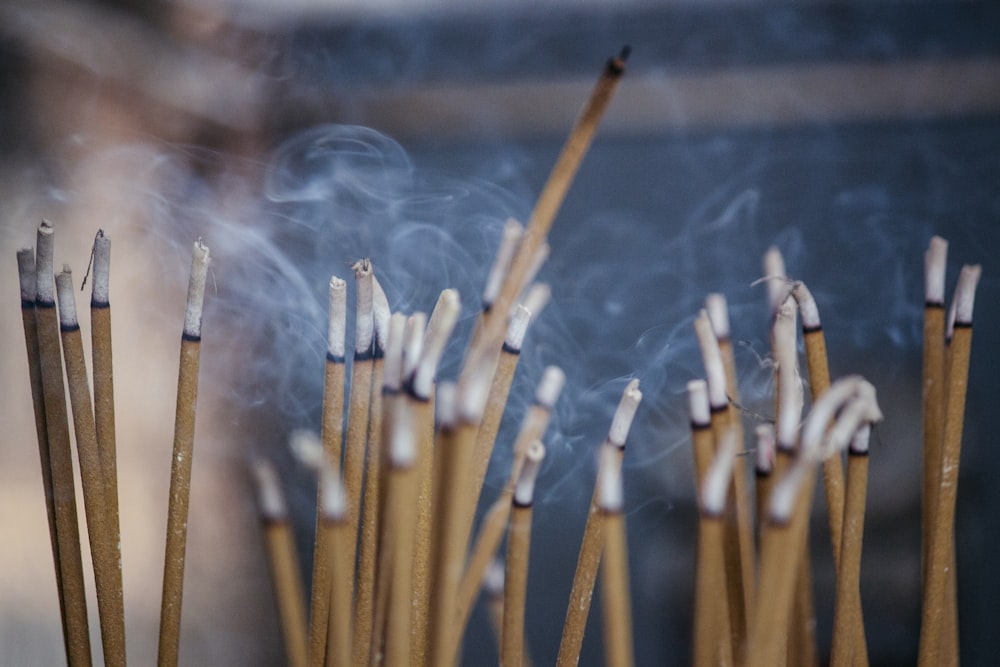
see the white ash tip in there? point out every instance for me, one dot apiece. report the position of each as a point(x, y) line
point(774, 272)
point(512, 232)
point(336, 343)
point(935, 270)
point(67, 299)
point(765, 446)
point(551, 385)
point(698, 407)
point(860, 440)
point(715, 371)
point(403, 444)
point(307, 448)
point(475, 390)
point(45, 289)
point(536, 298)
point(517, 328)
point(716, 482)
point(621, 423)
point(200, 259)
point(610, 494)
point(808, 310)
point(46, 228)
point(781, 504)
point(965, 293)
point(270, 498)
point(26, 274)
point(392, 373)
point(493, 578)
point(364, 325)
point(446, 404)
point(718, 315)
point(413, 343)
point(101, 287)
point(524, 491)
point(824, 410)
point(439, 328)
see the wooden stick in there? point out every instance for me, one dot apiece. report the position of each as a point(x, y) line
point(942, 536)
point(738, 588)
point(764, 468)
point(104, 387)
point(551, 198)
point(518, 546)
point(615, 594)
point(712, 636)
point(702, 441)
point(102, 535)
point(60, 457)
point(392, 382)
point(27, 278)
point(591, 547)
point(494, 523)
point(935, 264)
point(364, 599)
point(280, 545)
point(848, 646)
point(331, 435)
point(180, 469)
point(718, 315)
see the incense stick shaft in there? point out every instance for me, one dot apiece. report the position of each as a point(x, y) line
point(288, 590)
point(615, 593)
point(711, 621)
point(338, 640)
point(515, 586)
point(849, 647)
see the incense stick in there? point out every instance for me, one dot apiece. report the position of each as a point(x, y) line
point(615, 595)
point(849, 647)
point(942, 537)
point(104, 388)
point(180, 468)
point(280, 545)
point(331, 435)
point(495, 521)
point(101, 533)
point(27, 280)
point(60, 457)
point(591, 547)
point(935, 264)
point(763, 468)
point(702, 441)
point(518, 547)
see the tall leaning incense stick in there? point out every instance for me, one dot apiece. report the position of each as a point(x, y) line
point(104, 386)
point(180, 468)
point(939, 562)
point(102, 535)
point(617, 601)
point(518, 547)
point(284, 565)
point(60, 456)
point(26, 275)
point(935, 265)
point(589, 558)
point(332, 438)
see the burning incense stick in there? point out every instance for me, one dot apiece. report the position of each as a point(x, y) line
point(942, 536)
point(616, 599)
point(332, 436)
point(739, 579)
point(547, 206)
point(764, 467)
point(718, 316)
point(60, 457)
point(101, 533)
point(935, 264)
point(371, 509)
point(512, 232)
point(180, 469)
point(589, 558)
point(332, 529)
point(495, 522)
point(104, 387)
point(712, 636)
point(518, 546)
point(27, 278)
point(848, 646)
point(702, 442)
point(280, 545)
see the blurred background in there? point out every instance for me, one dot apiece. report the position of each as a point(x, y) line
point(296, 140)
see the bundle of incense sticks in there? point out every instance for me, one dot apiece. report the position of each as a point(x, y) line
point(400, 461)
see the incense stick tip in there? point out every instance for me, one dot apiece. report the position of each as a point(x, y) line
point(718, 315)
point(524, 491)
point(935, 269)
point(621, 423)
point(965, 293)
point(517, 329)
point(26, 274)
point(270, 498)
point(551, 385)
point(698, 407)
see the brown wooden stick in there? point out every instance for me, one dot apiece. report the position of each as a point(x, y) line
point(615, 594)
point(702, 441)
point(332, 439)
point(280, 545)
point(101, 533)
point(26, 274)
point(104, 387)
point(589, 558)
point(849, 647)
point(518, 547)
point(60, 457)
point(180, 469)
point(942, 537)
point(495, 522)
